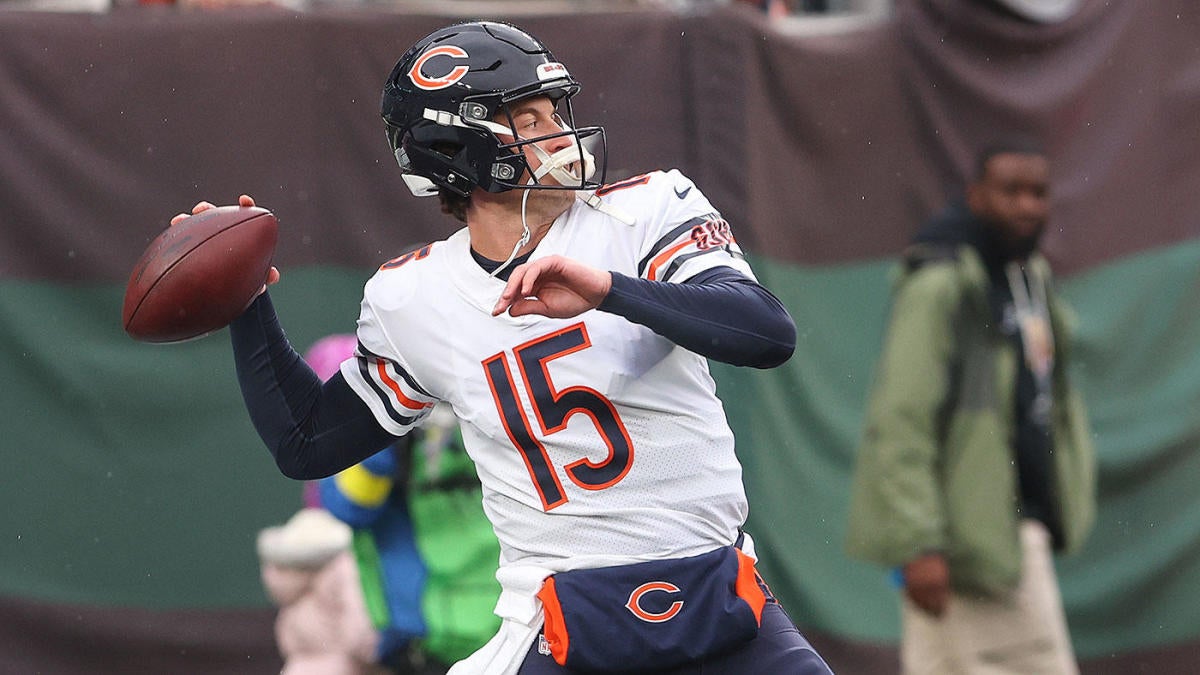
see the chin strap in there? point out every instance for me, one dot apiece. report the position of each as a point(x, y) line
point(556, 164)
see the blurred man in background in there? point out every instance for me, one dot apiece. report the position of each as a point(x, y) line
point(976, 461)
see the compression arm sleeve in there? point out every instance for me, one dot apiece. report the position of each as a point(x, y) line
point(719, 313)
point(312, 429)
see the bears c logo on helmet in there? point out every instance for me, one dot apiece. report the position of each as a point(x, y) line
point(433, 83)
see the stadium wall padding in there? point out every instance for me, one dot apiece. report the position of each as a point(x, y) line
point(140, 483)
point(135, 485)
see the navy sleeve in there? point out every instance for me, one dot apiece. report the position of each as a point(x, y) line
point(720, 314)
point(313, 429)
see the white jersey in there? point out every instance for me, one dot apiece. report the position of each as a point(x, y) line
point(598, 442)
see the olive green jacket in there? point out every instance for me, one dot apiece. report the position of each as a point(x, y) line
point(936, 470)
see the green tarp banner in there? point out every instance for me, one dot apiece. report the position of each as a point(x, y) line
point(134, 477)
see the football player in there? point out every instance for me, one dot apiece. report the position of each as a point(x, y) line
point(568, 326)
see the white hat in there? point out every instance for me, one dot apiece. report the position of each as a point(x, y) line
point(309, 539)
point(1043, 11)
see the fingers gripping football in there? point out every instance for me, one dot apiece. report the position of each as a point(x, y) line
point(243, 201)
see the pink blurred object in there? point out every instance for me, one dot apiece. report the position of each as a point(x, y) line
point(322, 627)
point(310, 574)
point(326, 354)
point(312, 495)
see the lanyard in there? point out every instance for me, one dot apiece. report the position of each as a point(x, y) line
point(1037, 336)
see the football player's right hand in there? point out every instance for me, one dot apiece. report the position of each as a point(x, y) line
point(243, 200)
point(927, 583)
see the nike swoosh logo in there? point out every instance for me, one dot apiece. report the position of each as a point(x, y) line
point(683, 194)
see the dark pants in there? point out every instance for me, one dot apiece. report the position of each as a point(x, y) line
point(779, 649)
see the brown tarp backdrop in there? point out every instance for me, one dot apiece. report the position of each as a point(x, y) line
point(823, 148)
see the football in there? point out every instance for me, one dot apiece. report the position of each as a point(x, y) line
point(199, 275)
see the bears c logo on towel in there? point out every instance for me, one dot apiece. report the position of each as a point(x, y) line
point(635, 599)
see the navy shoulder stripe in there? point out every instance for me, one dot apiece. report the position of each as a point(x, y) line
point(402, 420)
point(666, 241)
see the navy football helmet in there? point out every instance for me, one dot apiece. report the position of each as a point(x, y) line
point(441, 101)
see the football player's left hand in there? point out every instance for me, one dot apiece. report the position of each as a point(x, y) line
point(243, 200)
point(557, 287)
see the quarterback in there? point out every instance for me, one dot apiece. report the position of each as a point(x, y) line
point(568, 325)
